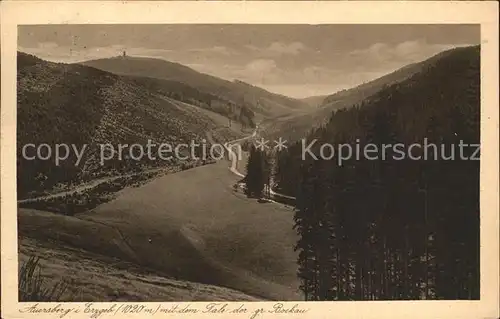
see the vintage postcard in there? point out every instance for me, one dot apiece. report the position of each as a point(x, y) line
point(249, 159)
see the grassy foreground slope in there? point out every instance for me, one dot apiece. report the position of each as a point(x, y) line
point(201, 230)
point(190, 226)
point(94, 277)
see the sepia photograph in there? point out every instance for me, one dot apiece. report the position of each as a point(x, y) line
point(256, 162)
point(285, 214)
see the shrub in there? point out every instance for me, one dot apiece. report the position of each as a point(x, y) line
point(31, 284)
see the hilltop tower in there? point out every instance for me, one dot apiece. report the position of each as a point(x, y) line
point(124, 53)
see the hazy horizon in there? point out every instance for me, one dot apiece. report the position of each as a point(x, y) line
point(298, 61)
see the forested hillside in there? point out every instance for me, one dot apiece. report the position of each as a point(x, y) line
point(74, 104)
point(394, 228)
point(185, 93)
point(238, 94)
point(295, 127)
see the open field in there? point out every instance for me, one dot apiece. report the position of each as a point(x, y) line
point(95, 277)
point(198, 226)
point(191, 226)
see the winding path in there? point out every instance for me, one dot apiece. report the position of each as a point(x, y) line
point(89, 185)
point(94, 183)
point(234, 161)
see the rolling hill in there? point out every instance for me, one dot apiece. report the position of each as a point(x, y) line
point(192, 228)
point(314, 101)
point(96, 277)
point(188, 227)
point(75, 104)
point(240, 94)
point(180, 237)
point(395, 194)
point(295, 127)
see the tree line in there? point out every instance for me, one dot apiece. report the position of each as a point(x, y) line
point(257, 179)
point(393, 229)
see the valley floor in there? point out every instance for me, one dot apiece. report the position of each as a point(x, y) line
point(191, 226)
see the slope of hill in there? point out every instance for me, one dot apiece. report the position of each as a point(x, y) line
point(296, 127)
point(418, 205)
point(93, 277)
point(185, 93)
point(351, 96)
point(314, 101)
point(74, 104)
point(189, 226)
point(238, 93)
point(270, 103)
point(190, 231)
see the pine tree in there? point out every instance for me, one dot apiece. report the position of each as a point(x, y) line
point(394, 229)
point(256, 173)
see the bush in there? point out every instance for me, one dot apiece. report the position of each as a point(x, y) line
point(31, 284)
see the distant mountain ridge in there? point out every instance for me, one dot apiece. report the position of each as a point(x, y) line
point(367, 89)
point(314, 101)
point(241, 94)
point(298, 126)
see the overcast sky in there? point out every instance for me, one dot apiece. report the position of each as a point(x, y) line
point(295, 60)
